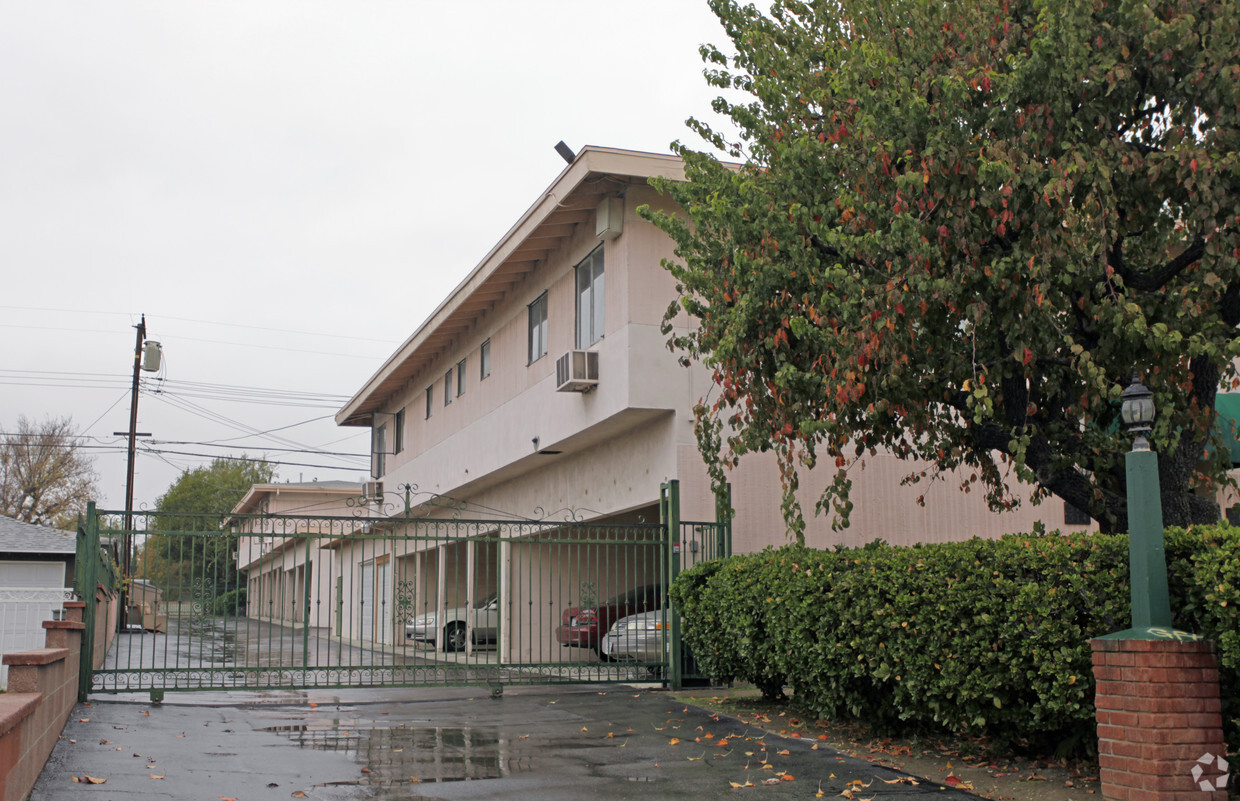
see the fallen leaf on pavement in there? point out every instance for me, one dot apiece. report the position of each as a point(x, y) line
point(93, 780)
point(770, 781)
point(153, 776)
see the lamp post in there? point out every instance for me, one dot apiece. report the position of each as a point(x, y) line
point(1151, 605)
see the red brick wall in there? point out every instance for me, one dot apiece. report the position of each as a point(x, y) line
point(1158, 712)
point(43, 687)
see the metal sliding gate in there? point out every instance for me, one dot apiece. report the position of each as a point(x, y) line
point(301, 601)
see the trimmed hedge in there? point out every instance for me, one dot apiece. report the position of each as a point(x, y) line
point(984, 637)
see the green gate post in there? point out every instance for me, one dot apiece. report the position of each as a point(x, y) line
point(675, 664)
point(1151, 605)
point(86, 565)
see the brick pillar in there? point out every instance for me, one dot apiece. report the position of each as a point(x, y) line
point(1158, 713)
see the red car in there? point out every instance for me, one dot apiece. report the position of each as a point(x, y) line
point(584, 627)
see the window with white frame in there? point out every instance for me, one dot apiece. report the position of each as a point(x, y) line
point(538, 328)
point(447, 387)
point(460, 378)
point(430, 401)
point(484, 360)
point(398, 431)
point(590, 298)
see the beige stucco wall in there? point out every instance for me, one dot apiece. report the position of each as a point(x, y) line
point(487, 435)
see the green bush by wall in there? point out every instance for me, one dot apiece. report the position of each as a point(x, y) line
point(984, 637)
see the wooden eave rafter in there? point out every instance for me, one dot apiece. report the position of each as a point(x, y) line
point(569, 202)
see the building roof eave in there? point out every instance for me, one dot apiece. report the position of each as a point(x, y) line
point(569, 200)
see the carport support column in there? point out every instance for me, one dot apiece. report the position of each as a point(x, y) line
point(671, 518)
point(505, 589)
point(441, 610)
point(470, 551)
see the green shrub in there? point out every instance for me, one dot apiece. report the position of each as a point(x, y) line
point(984, 637)
point(231, 603)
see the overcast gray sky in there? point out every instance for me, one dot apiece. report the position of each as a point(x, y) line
point(286, 190)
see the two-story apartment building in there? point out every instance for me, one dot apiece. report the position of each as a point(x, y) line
point(472, 406)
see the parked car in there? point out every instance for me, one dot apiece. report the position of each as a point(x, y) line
point(584, 626)
point(458, 621)
point(638, 638)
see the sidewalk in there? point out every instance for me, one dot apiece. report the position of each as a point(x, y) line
point(545, 743)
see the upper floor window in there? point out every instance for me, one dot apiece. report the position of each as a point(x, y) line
point(460, 377)
point(430, 401)
point(398, 431)
point(538, 328)
point(590, 297)
point(447, 387)
point(378, 450)
point(484, 360)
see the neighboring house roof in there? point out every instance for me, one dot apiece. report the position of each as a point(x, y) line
point(570, 201)
point(341, 489)
point(19, 537)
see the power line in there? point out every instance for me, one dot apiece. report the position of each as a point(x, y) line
point(157, 452)
point(193, 320)
point(279, 450)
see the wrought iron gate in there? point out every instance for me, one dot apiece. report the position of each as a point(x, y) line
point(299, 601)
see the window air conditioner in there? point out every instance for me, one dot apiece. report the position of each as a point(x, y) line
point(576, 371)
point(372, 489)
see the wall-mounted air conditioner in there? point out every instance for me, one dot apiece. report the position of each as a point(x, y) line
point(576, 371)
point(372, 489)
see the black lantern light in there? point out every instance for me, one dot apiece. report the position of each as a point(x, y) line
point(1137, 410)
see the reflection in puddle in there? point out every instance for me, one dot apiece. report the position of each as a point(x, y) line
point(407, 755)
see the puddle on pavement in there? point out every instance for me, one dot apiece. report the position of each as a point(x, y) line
point(405, 755)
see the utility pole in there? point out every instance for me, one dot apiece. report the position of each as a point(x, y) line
point(151, 361)
point(133, 434)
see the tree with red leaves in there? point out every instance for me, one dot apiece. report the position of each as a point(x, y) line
point(956, 231)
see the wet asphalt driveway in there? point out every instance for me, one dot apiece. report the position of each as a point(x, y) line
point(567, 742)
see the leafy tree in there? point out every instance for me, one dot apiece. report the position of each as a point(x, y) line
point(956, 230)
point(45, 477)
point(198, 501)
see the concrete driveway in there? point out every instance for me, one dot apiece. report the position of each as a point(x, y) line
point(546, 743)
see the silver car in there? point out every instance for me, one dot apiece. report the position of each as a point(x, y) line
point(458, 622)
point(638, 638)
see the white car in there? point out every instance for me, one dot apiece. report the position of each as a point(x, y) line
point(458, 622)
point(638, 638)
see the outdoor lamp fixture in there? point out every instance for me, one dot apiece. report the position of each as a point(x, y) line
point(1151, 605)
point(1137, 411)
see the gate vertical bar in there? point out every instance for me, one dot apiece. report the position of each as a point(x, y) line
point(86, 566)
point(672, 521)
